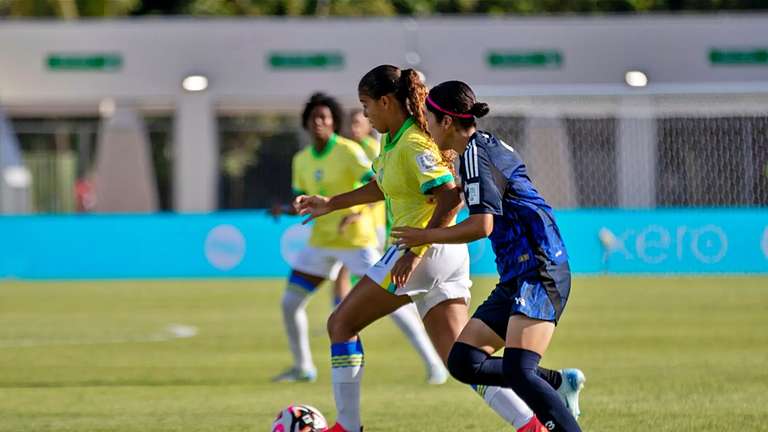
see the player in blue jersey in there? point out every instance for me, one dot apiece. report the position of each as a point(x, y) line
point(522, 311)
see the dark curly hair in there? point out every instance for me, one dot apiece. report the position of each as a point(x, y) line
point(322, 99)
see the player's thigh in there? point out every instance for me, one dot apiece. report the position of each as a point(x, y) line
point(443, 274)
point(488, 327)
point(444, 322)
point(529, 333)
point(366, 303)
point(479, 335)
point(539, 301)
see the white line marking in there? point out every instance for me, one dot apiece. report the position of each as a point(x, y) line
point(169, 333)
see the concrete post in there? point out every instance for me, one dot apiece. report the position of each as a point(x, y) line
point(196, 154)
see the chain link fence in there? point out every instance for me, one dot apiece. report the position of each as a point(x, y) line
point(582, 152)
point(60, 154)
point(661, 152)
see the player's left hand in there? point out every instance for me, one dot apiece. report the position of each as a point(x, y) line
point(409, 237)
point(403, 268)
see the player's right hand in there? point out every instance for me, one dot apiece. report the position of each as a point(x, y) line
point(276, 210)
point(312, 205)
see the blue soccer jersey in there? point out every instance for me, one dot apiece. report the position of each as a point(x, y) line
point(525, 235)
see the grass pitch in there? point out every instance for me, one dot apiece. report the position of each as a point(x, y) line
point(661, 354)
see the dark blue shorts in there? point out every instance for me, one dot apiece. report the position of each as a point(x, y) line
point(540, 294)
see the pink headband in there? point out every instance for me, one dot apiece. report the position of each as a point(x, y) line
point(445, 111)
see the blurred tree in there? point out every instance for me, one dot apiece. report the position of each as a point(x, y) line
point(246, 7)
point(70, 9)
point(362, 8)
point(67, 9)
point(160, 7)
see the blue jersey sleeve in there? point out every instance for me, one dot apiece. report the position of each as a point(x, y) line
point(481, 192)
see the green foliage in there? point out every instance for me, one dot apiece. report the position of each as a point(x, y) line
point(67, 8)
point(356, 8)
point(362, 8)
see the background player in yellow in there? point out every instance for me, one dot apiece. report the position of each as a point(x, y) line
point(331, 165)
point(362, 131)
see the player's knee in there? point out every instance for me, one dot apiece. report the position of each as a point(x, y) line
point(520, 369)
point(463, 361)
point(292, 300)
point(338, 329)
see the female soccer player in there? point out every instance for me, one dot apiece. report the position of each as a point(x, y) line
point(361, 129)
point(532, 262)
point(434, 277)
point(333, 164)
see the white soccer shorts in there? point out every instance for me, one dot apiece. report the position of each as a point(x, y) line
point(442, 274)
point(326, 262)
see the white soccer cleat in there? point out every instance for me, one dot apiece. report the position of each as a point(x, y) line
point(573, 382)
point(296, 375)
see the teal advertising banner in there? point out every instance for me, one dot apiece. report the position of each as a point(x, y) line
point(253, 244)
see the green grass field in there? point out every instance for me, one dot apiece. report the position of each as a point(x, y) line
point(661, 354)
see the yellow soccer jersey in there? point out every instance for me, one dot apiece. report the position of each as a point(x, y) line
point(341, 167)
point(371, 148)
point(407, 169)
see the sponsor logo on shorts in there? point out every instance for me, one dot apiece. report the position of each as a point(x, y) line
point(520, 301)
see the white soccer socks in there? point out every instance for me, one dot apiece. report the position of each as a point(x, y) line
point(407, 319)
point(346, 373)
point(506, 404)
point(296, 327)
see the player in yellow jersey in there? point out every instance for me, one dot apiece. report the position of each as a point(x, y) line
point(416, 182)
point(361, 130)
point(331, 165)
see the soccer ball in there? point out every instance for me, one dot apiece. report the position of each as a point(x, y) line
point(299, 418)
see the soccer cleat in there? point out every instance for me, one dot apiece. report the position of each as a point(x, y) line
point(573, 382)
point(338, 428)
point(437, 375)
point(296, 375)
point(533, 426)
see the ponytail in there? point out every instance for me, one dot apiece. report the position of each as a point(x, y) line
point(413, 95)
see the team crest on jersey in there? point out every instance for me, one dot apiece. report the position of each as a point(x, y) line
point(473, 193)
point(426, 161)
point(318, 175)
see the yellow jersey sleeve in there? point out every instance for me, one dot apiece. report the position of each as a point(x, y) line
point(422, 158)
point(358, 164)
point(297, 168)
point(371, 147)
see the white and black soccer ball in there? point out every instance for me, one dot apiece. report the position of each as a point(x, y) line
point(299, 418)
